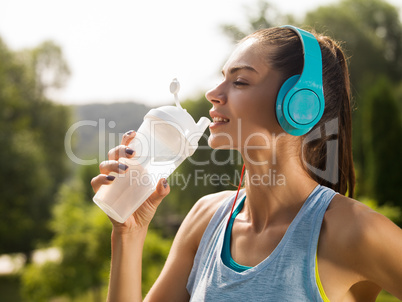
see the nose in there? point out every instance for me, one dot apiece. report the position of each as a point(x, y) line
point(216, 95)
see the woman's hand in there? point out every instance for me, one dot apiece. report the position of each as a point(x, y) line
point(144, 214)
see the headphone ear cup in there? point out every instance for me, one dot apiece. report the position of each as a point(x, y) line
point(280, 100)
point(300, 102)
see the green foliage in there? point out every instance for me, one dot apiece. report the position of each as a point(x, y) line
point(383, 144)
point(82, 234)
point(155, 252)
point(394, 213)
point(39, 282)
point(386, 297)
point(32, 155)
point(85, 174)
point(372, 34)
point(261, 15)
point(24, 184)
point(398, 94)
point(50, 122)
point(9, 288)
point(47, 67)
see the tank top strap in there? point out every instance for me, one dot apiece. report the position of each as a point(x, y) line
point(287, 274)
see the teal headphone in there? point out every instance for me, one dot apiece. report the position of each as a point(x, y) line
point(300, 102)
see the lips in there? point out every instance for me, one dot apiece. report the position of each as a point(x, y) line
point(218, 119)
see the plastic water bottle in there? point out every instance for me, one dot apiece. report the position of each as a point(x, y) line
point(167, 136)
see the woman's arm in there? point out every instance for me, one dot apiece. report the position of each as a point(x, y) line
point(380, 251)
point(128, 240)
point(128, 237)
point(126, 268)
point(172, 282)
point(359, 251)
point(125, 275)
point(127, 245)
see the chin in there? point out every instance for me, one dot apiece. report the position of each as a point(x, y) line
point(220, 142)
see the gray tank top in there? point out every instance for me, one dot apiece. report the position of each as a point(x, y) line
point(287, 274)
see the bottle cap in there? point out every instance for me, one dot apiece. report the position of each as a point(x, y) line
point(180, 118)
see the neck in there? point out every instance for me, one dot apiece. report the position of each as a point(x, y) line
point(276, 189)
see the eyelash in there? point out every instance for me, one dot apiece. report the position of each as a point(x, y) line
point(239, 83)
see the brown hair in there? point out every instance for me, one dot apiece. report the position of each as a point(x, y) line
point(287, 57)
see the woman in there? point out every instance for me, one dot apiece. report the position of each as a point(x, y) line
point(293, 241)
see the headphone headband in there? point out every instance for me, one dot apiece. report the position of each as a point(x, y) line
point(300, 102)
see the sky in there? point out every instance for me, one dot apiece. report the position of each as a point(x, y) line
point(130, 50)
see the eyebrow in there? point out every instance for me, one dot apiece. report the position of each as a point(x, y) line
point(238, 68)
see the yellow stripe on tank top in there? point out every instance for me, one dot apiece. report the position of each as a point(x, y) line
point(320, 288)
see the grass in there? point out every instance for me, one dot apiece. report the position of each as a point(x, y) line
point(386, 297)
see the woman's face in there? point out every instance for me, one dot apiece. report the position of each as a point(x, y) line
point(244, 102)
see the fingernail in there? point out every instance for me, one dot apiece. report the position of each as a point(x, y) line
point(123, 167)
point(129, 151)
point(129, 132)
point(165, 183)
point(110, 177)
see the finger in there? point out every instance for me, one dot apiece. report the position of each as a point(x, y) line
point(100, 180)
point(128, 137)
point(108, 166)
point(162, 189)
point(120, 151)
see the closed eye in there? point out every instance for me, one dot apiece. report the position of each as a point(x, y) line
point(239, 83)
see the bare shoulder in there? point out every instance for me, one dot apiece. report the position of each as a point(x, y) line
point(351, 222)
point(206, 206)
point(197, 219)
point(349, 213)
point(368, 244)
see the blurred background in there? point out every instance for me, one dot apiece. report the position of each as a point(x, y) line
point(76, 75)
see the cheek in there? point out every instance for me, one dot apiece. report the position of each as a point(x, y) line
point(259, 115)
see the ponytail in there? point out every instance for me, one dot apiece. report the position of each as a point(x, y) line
point(337, 106)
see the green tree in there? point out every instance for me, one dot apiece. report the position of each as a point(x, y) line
point(383, 144)
point(32, 155)
point(155, 252)
point(372, 32)
point(261, 15)
point(82, 234)
point(48, 69)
